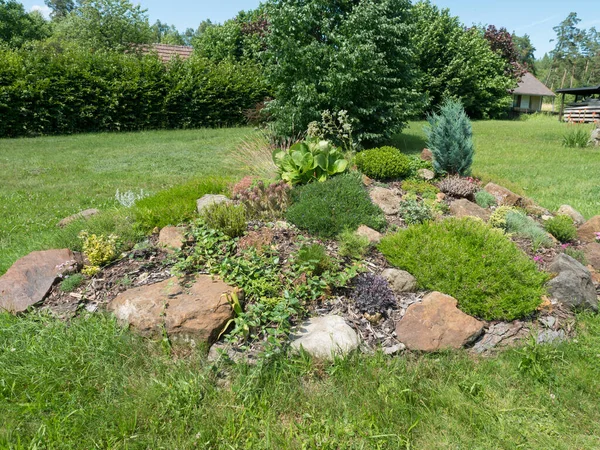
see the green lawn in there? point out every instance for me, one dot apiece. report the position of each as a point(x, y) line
point(90, 384)
point(528, 156)
point(46, 179)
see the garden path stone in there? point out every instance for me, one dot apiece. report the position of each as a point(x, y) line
point(463, 207)
point(171, 238)
point(568, 210)
point(388, 200)
point(325, 337)
point(572, 286)
point(592, 254)
point(85, 214)
point(372, 235)
point(436, 323)
point(400, 281)
point(30, 279)
point(209, 199)
point(503, 195)
point(587, 231)
point(199, 312)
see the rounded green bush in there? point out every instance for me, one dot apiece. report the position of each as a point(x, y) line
point(562, 228)
point(476, 264)
point(384, 163)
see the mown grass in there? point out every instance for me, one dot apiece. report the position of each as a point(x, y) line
point(90, 384)
point(528, 157)
point(46, 179)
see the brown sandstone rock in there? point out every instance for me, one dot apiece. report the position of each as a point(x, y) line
point(372, 235)
point(387, 199)
point(587, 231)
point(29, 279)
point(171, 238)
point(426, 155)
point(503, 195)
point(463, 207)
point(437, 323)
point(200, 311)
point(86, 214)
point(592, 254)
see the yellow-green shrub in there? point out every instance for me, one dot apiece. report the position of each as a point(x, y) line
point(99, 251)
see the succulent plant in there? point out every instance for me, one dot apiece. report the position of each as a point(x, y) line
point(372, 294)
point(458, 187)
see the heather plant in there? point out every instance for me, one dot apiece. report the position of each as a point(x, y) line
point(487, 273)
point(384, 163)
point(485, 199)
point(457, 186)
point(413, 211)
point(372, 294)
point(352, 245)
point(450, 139)
point(228, 218)
point(265, 201)
point(326, 209)
point(562, 228)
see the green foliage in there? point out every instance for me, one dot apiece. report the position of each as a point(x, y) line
point(385, 163)
point(537, 360)
point(176, 205)
point(457, 62)
point(228, 218)
point(417, 163)
point(105, 24)
point(517, 222)
point(578, 138)
point(576, 254)
point(450, 139)
point(488, 275)
point(413, 211)
point(71, 282)
point(18, 26)
point(498, 217)
point(310, 160)
point(315, 257)
point(485, 199)
point(422, 188)
point(352, 245)
point(341, 55)
point(99, 251)
point(71, 89)
point(562, 228)
point(327, 209)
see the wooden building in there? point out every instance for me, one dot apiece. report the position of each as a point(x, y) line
point(585, 108)
point(528, 96)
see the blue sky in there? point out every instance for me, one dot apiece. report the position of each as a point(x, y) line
point(534, 17)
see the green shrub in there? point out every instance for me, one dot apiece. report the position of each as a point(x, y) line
point(352, 245)
point(417, 163)
point(413, 212)
point(450, 139)
point(579, 138)
point(99, 251)
point(485, 199)
point(498, 217)
point(326, 209)
point(422, 188)
point(315, 258)
point(488, 275)
point(562, 228)
point(175, 205)
point(71, 282)
point(519, 223)
point(226, 217)
point(385, 163)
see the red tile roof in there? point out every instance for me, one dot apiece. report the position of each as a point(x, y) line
point(167, 52)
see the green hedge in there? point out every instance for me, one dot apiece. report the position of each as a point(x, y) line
point(46, 89)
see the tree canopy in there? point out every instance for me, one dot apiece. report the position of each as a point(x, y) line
point(18, 26)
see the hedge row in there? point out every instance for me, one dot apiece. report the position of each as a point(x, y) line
point(53, 90)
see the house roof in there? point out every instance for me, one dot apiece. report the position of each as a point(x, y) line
point(530, 85)
point(167, 52)
point(580, 90)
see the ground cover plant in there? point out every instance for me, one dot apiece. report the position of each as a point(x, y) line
point(528, 158)
point(329, 208)
point(46, 179)
point(488, 275)
point(90, 383)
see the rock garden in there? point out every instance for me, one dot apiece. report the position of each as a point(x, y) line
point(346, 250)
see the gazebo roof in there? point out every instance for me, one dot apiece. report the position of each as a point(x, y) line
point(580, 90)
point(530, 85)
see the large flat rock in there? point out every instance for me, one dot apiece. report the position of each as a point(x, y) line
point(463, 208)
point(503, 195)
point(200, 311)
point(29, 279)
point(436, 323)
point(387, 199)
point(587, 231)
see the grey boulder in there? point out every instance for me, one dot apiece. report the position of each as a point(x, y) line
point(209, 199)
point(572, 286)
